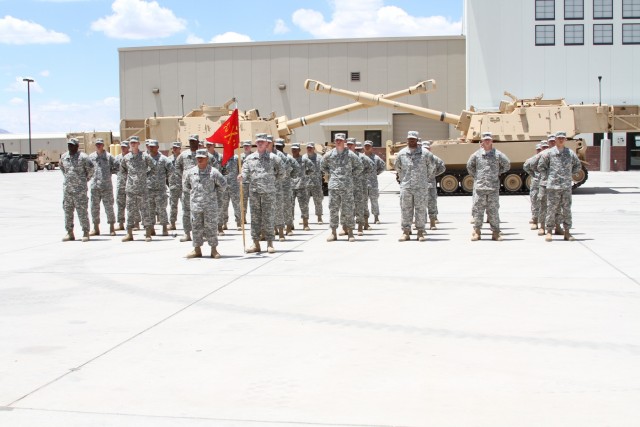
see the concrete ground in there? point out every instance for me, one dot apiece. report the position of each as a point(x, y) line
point(446, 332)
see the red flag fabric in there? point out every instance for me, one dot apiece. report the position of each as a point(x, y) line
point(228, 135)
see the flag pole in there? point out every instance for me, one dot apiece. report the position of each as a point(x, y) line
point(239, 154)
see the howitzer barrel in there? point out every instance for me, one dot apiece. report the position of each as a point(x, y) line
point(284, 128)
point(374, 100)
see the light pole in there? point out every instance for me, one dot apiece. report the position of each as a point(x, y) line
point(182, 96)
point(29, 81)
point(600, 91)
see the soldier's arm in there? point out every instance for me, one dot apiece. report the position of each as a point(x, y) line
point(356, 164)
point(324, 166)
point(471, 165)
point(295, 168)
point(219, 179)
point(279, 168)
point(505, 164)
point(186, 182)
point(576, 164)
point(527, 166)
point(88, 164)
point(380, 166)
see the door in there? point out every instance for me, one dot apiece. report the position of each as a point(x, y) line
point(633, 151)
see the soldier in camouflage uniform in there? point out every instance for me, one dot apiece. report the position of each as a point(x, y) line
point(557, 167)
point(104, 164)
point(262, 170)
point(432, 188)
point(287, 187)
point(341, 165)
point(121, 182)
point(203, 182)
point(280, 184)
point(373, 193)
point(486, 165)
point(77, 170)
point(542, 194)
point(186, 161)
point(137, 165)
point(300, 184)
point(530, 167)
point(360, 195)
point(314, 188)
point(175, 185)
point(157, 185)
point(246, 146)
point(414, 165)
point(232, 193)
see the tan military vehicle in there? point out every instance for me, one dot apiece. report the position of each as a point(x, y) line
point(86, 140)
point(517, 127)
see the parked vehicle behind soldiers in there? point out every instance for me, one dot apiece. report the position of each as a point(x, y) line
point(77, 170)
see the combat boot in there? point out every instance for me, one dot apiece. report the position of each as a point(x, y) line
point(120, 226)
point(136, 226)
point(195, 253)
point(366, 223)
point(69, 236)
point(405, 235)
point(567, 235)
point(172, 226)
point(360, 229)
point(559, 231)
point(305, 224)
point(432, 224)
point(289, 230)
point(541, 230)
point(421, 236)
point(165, 232)
point(220, 230)
point(152, 230)
point(129, 236)
point(186, 237)
point(270, 248)
point(95, 231)
point(85, 236)
point(112, 230)
point(350, 234)
point(224, 226)
point(376, 220)
point(496, 236)
point(148, 234)
point(214, 252)
point(344, 231)
point(476, 234)
point(534, 225)
point(332, 237)
point(280, 233)
point(437, 222)
point(320, 220)
point(238, 226)
point(255, 248)
point(549, 236)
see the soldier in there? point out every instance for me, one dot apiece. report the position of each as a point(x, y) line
point(414, 165)
point(432, 188)
point(314, 187)
point(215, 159)
point(157, 186)
point(203, 182)
point(341, 165)
point(373, 193)
point(530, 167)
point(121, 183)
point(186, 161)
point(486, 165)
point(262, 170)
point(279, 220)
point(300, 183)
point(77, 170)
point(557, 166)
point(542, 193)
point(360, 195)
point(137, 165)
point(287, 186)
point(137, 216)
point(175, 185)
point(104, 164)
point(246, 146)
point(231, 194)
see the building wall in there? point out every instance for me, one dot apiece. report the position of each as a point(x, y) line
point(254, 72)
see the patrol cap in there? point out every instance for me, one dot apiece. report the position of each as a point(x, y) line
point(152, 142)
point(176, 144)
point(413, 134)
point(194, 137)
point(134, 138)
point(99, 141)
point(426, 144)
point(73, 141)
point(146, 142)
point(245, 143)
point(538, 147)
point(202, 153)
point(206, 142)
point(270, 138)
point(367, 142)
point(124, 143)
point(295, 146)
point(311, 145)
point(279, 142)
point(551, 138)
point(544, 144)
point(486, 135)
point(351, 140)
point(359, 145)
point(339, 136)
point(261, 137)
point(561, 134)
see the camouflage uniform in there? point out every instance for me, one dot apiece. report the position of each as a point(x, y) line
point(137, 167)
point(360, 185)
point(413, 167)
point(556, 167)
point(432, 187)
point(245, 192)
point(287, 191)
point(262, 173)
point(280, 188)
point(121, 193)
point(77, 170)
point(185, 161)
point(486, 168)
point(314, 185)
point(203, 186)
point(232, 192)
point(373, 193)
point(101, 185)
point(300, 184)
point(175, 190)
point(531, 168)
point(157, 187)
point(341, 167)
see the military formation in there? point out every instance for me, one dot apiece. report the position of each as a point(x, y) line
point(150, 186)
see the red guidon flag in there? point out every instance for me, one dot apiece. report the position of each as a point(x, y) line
point(228, 135)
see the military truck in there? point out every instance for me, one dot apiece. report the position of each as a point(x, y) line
point(14, 162)
point(517, 127)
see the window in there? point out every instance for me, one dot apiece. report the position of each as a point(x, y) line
point(333, 134)
point(602, 33)
point(573, 35)
point(355, 76)
point(545, 35)
point(374, 136)
point(630, 33)
point(545, 10)
point(602, 9)
point(631, 8)
point(573, 9)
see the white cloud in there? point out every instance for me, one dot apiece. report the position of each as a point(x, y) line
point(281, 27)
point(230, 37)
point(139, 19)
point(16, 101)
point(371, 18)
point(193, 39)
point(18, 31)
point(45, 73)
point(19, 85)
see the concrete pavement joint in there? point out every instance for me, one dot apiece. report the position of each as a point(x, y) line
point(609, 263)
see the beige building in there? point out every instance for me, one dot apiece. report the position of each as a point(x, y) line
point(269, 76)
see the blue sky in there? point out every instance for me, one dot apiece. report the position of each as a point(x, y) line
point(70, 47)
